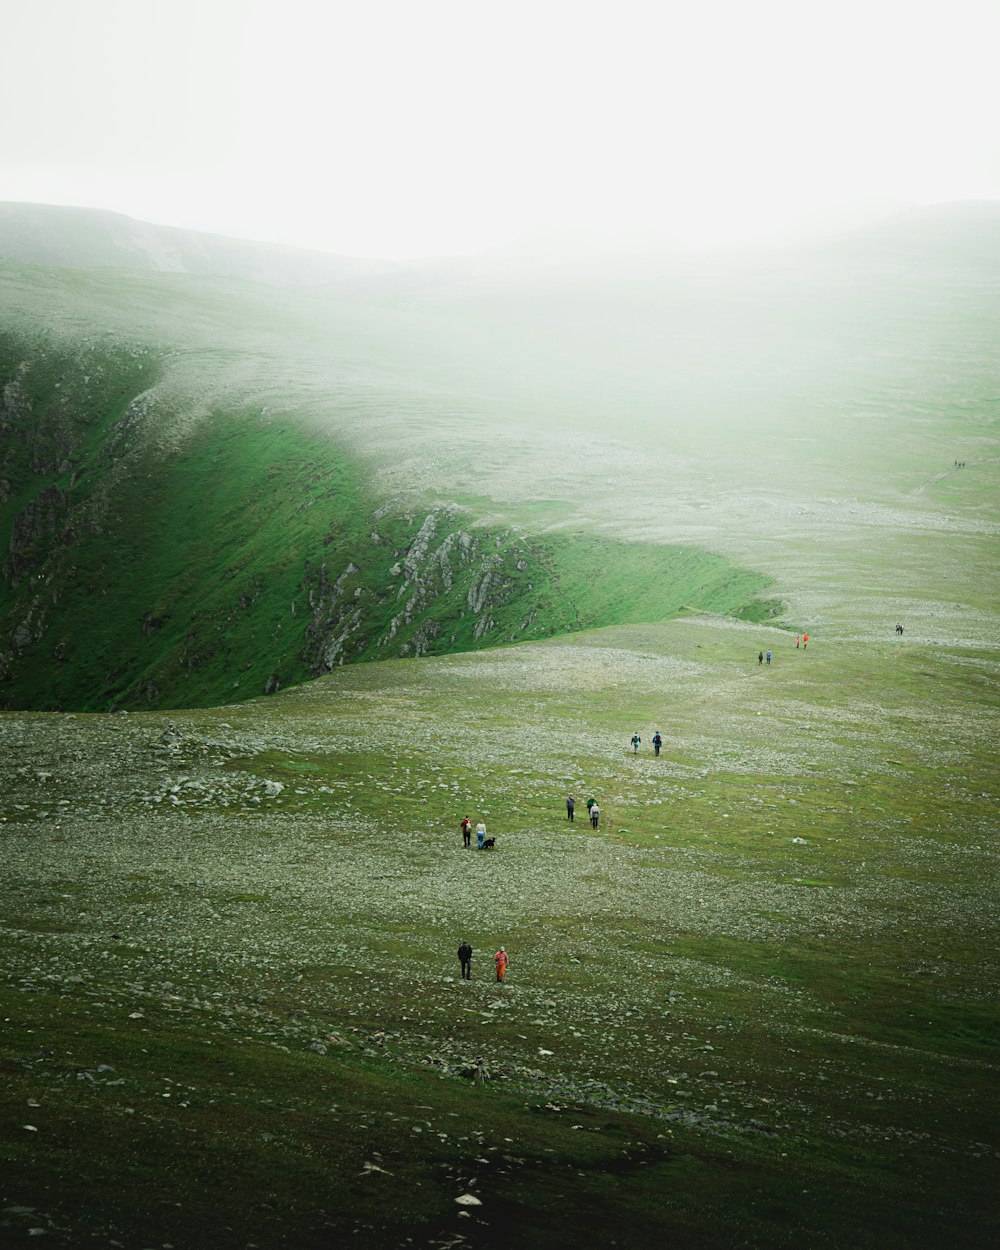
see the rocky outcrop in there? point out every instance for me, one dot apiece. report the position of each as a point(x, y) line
point(15, 402)
point(446, 581)
point(29, 629)
point(416, 557)
point(335, 617)
point(58, 471)
point(129, 425)
point(431, 573)
point(426, 634)
point(33, 533)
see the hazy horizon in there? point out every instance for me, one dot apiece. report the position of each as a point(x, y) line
point(450, 129)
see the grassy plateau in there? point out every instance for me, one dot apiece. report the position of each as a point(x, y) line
point(755, 1007)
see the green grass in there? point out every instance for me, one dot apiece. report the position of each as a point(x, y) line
point(757, 1008)
point(210, 560)
point(208, 1136)
point(764, 1043)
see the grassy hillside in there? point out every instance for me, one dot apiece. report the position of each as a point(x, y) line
point(165, 553)
point(801, 418)
point(85, 238)
point(754, 1008)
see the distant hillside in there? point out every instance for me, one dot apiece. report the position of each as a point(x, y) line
point(89, 238)
point(211, 487)
point(171, 538)
point(963, 236)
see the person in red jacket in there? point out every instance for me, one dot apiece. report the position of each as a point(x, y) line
point(466, 831)
point(501, 961)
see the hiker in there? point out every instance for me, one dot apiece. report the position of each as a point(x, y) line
point(595, 816)
point(657, 742)
point(805, 641)
point(570, 807)
point(590, 804)
point(465, 959)
point(636, 740)
point(480, 835)
point(798, 639)
point(760, 657)
point(466, 831)
point(768, 657)
point(500, 961)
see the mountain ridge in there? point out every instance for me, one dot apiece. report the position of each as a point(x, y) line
point(966, 231)
point(170, 546)
point(192, 465)
point(83, 238)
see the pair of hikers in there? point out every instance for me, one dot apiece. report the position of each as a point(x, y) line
point(500, 962)
point(593, 811)
point(467, 833)
point(637, 742)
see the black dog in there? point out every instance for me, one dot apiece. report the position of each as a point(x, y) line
point(489, 844)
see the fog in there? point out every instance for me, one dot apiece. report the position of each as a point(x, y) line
point(401, 130)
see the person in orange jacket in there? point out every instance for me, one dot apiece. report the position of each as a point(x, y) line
point(501, 961)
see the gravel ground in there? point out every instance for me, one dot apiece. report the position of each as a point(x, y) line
point(745, 944)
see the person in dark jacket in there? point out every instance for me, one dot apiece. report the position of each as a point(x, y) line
point(465, 959)
point(570, 806)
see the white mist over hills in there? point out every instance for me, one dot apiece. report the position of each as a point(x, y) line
point(406, 131)
point(720, 401)
point(89, 238)
point(66, 237)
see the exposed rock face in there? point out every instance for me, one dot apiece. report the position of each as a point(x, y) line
point(130, 424)
point(336, 618)
point(52, 402)
point(44, 437)
point(162, 545)
point(486, 583)
point(444, 574)
point(416, 557)
point(34, 529)
point(15, 403)
point(29, 629)
point(86, 444)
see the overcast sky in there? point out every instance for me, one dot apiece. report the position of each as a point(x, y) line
point(416, 127)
